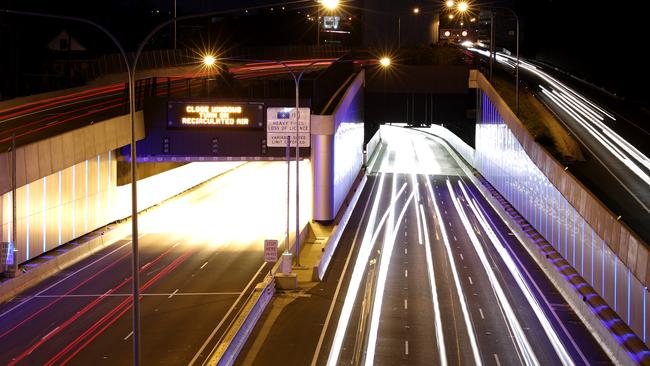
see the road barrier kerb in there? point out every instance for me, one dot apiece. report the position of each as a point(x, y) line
point(333, 240)
point(235, 339)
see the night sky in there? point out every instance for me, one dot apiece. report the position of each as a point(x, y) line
point(598, 41)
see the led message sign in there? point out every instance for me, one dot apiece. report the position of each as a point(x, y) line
point(235, 115)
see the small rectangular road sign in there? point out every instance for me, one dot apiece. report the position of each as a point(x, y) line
point(271, 250)
point(281, 122)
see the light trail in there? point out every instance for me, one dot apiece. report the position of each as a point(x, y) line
point(519, 279)
point(440, 339)
point(509, 315)
point(461, 296)
point(587, 114)
point(387, 251)
point(369, 237)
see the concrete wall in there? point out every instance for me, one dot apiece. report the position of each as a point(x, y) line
point(602, 250)
point(337, 151)
point(60, 207)
point(51, 155)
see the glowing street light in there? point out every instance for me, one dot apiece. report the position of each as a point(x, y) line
point(330, 4)
point(463, 6)
point(416, 10)
point(450, 16)
point(209, 60)
point(450, 3)
point(384, 62)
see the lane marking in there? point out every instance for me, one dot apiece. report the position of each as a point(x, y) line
point(172, 294)
point(470, 280)
point(406, 304)
point(406, 273)
point(50, 333)
point(204, 264)
point(128, 336)
point(406, 251)
point(455, 238)
point(461, 257)
point(496, 358)
point(406, 347)
point(481, 312)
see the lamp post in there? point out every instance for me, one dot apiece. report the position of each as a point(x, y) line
point(463, 7)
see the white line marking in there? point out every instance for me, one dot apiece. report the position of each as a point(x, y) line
point(481, 312)
point(496, 358)
point(470, 280)
point(175, 245)
point(145, 266)
point(173, 293)
point(128, 335)
point(50, 333)
point(204, 264)
point(406, 251)
point(406, 347)
point(461, 257)
point(406, 273)
point(455, 238)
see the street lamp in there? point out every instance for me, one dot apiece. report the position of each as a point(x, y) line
point(464, 8)
point(384, 62)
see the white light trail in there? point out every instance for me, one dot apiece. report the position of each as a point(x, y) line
point(434, 294)
point(367, 243)
point(588, 115)
point(461, 296)
point(387, 251)
point(519, 278)
point(509, 315)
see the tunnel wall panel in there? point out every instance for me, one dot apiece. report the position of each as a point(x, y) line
point(603, 250)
